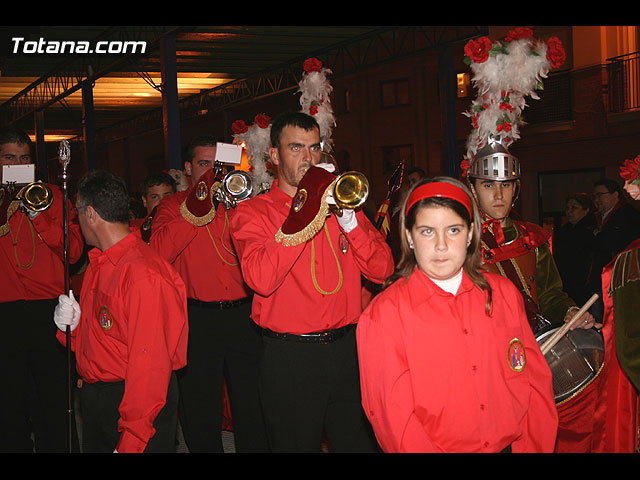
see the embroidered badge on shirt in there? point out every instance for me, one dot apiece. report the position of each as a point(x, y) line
point(105, 319)
point(343, 242)
point(516, 356)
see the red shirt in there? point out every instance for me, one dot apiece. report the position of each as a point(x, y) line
point(133, 327)
point(32, 253)
point(203, 256)
point(436, 371)
point(288, 280)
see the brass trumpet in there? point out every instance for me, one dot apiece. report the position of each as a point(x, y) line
point(350, 191)
point(36, 197)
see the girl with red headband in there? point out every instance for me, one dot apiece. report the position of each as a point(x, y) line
point(448, 362)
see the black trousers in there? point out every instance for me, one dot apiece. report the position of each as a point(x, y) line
point(224, 345)
point(34, 396)
point(99, 404)
point(311, 389)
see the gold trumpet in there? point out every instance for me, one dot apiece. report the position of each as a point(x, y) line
point(36, 196)
point(350, 191)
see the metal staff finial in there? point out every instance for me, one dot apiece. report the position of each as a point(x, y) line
point(64, 153)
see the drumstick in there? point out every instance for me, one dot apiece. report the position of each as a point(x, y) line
point(555, 338)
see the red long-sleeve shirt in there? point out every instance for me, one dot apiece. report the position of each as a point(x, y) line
point(203, 256)
point(436, 371)
point(133, 327)
point(32, 253)
point(288, 280)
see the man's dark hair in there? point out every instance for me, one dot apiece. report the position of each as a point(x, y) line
point(611, 186)
point(201, 141)
point(417, 170)
point(292, 119)
point(107, 194)
point(159, 178)
point(14, 135)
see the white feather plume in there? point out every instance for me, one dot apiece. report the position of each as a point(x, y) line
point(257, 142)
point(503, 82)
point(316, 91)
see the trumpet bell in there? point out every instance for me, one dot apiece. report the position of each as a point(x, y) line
point(234, 187)
point(238, 184)
point(36, 197)
point(351, 190)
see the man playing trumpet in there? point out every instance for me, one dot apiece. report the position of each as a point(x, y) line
point(306, 270)
point(32, 263)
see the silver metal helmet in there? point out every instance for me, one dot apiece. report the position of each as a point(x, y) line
point(494, 162)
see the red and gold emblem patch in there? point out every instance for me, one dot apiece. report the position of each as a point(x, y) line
point(299, 200)
point(515, 356)
point(105, 319)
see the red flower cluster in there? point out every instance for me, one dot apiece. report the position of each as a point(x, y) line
point(262, 120)
point(239, 127)
point(504, 127)
point(518, 33)
point(464, 168)
point(312, 65)
point(629, 169)
point(478, 49)
point(555, 52)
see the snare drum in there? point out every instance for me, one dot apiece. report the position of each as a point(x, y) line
point(574, 361)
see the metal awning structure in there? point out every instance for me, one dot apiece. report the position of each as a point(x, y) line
point(191, 67)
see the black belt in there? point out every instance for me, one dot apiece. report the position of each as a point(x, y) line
point(325, 336)
point(218, 305)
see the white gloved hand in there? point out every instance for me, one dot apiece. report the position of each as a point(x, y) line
point(32, 214)
point(329, 167)
point(347, 220)
point(67, 312)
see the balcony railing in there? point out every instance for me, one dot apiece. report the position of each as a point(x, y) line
point(623, 75)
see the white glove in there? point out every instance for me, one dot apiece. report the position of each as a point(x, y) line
point(329, 167)
point(67, 312)
point(32, 214)
point(347, 220)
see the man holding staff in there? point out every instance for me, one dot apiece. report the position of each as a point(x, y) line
point(32, 265)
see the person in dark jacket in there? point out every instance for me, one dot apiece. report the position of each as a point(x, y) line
point(618, 224)
point(573, 245)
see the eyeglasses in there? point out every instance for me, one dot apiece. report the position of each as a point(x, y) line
point(599, 194)
point(77, 209)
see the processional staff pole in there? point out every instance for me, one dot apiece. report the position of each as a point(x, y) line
point(64, 154)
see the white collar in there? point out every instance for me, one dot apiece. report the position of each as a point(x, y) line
point(450, 285)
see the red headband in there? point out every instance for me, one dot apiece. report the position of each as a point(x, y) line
point(440, 189)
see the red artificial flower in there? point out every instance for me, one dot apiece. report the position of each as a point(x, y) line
point(312, 65)
point(629, 169)
point(239, 127)
point(506, 106)
point(555, 52)
point(478, 49)
point(504, 127)
point(464, 168)
point(313, 109)
point(518, 33)
point(262, 120)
